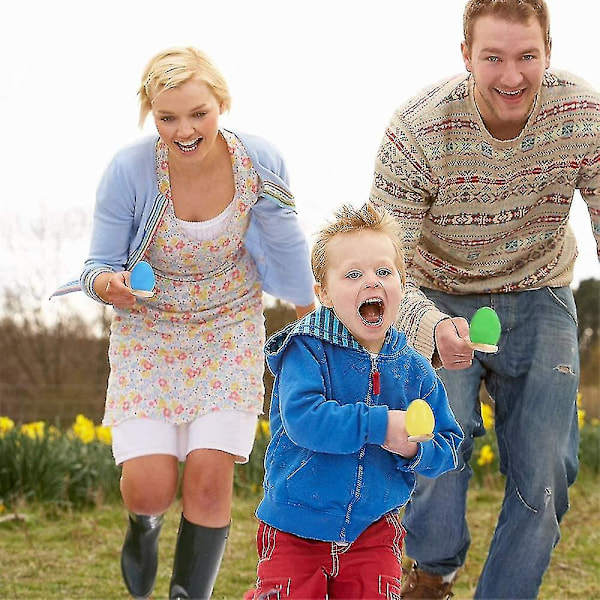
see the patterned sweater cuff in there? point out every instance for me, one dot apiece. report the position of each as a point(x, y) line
point(424, 341)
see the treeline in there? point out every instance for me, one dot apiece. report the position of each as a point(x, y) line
point(54, 371)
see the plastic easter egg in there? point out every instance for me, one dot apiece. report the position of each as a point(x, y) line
point(485, 327)
point(142, 279)
point(419, 420)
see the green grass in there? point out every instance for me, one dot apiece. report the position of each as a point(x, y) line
point(575, 567)
point(58, 554)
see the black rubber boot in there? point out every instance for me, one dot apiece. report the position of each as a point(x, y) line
point(139, 556)
point(198, 557)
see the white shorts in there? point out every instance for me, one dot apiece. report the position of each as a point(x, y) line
point(231, 431)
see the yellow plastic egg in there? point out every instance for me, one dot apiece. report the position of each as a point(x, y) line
point(419, 419)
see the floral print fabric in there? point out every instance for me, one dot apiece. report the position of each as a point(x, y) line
point(196, 345)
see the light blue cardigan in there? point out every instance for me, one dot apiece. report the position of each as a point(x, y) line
point(129, 208)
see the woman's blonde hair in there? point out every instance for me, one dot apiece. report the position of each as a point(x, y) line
point(349, 219)
point(513, 10)
point(174, 67)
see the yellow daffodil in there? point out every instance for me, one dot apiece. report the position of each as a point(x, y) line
point(54, 432)
point(6, 424)
point(84, 429)
point(580, 418)
point(487, 414)
point(486, 456)
point(262, 428)
point(33, 430)
point(103, 434)
point(580, 412)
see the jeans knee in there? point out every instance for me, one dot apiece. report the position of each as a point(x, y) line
point(534, 504)
point(551, 499)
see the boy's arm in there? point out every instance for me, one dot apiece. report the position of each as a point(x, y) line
point(440, 454)
point(396, 439)
point(315, 422)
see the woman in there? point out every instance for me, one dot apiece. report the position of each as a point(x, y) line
point(211, 211)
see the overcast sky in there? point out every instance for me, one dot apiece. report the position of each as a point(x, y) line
point(320, 79)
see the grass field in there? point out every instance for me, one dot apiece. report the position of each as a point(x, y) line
point(76, 555)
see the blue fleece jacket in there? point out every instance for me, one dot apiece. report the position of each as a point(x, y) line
point(327, 476)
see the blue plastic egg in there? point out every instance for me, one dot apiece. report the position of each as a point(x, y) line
point(142, 277)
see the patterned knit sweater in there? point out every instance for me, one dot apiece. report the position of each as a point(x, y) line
point(483, 215)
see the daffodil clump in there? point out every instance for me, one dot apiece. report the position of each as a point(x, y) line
point(40, 462)
point(589, 439)
point(85, 430)
point(487, 416)
point(248, 477)
point(484, 461)
point(6, 425)
point(74, 467)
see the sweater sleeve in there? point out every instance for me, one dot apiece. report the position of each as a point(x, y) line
point(280, 251)
point(589, 187)
point(275, 238)
point(112, 227)
point(404, 184)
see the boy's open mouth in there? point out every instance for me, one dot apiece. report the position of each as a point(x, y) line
point(371, 312)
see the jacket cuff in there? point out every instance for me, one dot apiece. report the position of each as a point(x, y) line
point(378, 423)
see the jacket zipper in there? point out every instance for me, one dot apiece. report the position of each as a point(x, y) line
point(375, 388)
point(375, 377)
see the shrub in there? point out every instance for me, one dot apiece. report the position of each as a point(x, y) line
point(43, 464)
point(248, 477)
point(75, 468)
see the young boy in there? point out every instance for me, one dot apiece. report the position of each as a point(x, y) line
point(339, 464)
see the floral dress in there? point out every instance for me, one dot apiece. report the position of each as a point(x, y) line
point(196, 345)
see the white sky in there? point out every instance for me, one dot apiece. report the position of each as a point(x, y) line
point(319, 79)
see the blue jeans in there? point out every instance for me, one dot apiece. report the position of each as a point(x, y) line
point(533, 380)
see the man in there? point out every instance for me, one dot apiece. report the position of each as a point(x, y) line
point(481, 171)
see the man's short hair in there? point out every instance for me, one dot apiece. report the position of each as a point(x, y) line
point(514, 10)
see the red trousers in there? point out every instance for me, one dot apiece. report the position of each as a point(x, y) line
point(298, 568)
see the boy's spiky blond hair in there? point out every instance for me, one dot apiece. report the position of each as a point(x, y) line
point(348, 219)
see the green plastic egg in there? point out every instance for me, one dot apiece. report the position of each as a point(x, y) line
point(485, 327)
